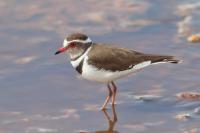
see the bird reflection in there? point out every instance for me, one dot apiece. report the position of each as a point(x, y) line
point(112, 119)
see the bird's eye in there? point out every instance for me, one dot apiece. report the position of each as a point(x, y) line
point(72, 45)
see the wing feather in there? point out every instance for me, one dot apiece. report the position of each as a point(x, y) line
point(113, 58)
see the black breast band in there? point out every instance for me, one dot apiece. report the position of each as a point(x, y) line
point(80, 66)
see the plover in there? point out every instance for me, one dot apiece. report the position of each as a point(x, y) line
point(106, 63)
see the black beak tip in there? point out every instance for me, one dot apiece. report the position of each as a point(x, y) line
point(57, 52)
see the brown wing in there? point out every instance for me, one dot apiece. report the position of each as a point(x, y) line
point(118, 59)
point(113, 58)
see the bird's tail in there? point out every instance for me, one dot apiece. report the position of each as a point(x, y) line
point(155, 59)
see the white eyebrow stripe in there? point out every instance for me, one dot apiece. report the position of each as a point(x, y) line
point(83, 41)
point(65, 43)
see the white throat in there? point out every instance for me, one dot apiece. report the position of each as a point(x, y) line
point(76, 62)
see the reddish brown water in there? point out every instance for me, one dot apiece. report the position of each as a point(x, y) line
point(42, 93)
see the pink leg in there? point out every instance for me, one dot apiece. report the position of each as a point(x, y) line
point(114, 91)
point(110, 93)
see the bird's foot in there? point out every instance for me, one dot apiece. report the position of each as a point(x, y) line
point(103, 108)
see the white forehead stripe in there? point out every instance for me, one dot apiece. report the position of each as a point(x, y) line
point(65, 43)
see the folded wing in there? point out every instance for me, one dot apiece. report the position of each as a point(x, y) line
point(118, 59)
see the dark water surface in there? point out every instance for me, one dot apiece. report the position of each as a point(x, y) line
point(42, 93)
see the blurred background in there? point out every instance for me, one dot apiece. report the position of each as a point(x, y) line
point(42, 93)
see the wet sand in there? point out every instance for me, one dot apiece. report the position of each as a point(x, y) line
point(42, 93)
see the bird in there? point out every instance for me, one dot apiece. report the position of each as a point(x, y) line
point(106, 63)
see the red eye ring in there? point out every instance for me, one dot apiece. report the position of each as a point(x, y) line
point(72, 45)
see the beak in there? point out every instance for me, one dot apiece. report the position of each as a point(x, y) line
point(61, 50)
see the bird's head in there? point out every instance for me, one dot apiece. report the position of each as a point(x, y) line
point(73, 41)
point(75, 44)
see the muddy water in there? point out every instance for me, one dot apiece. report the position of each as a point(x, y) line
point(42, 93)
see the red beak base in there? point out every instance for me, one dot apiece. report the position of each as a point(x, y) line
point(61, 50)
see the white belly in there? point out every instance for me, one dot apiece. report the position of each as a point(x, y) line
point(92, 73)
